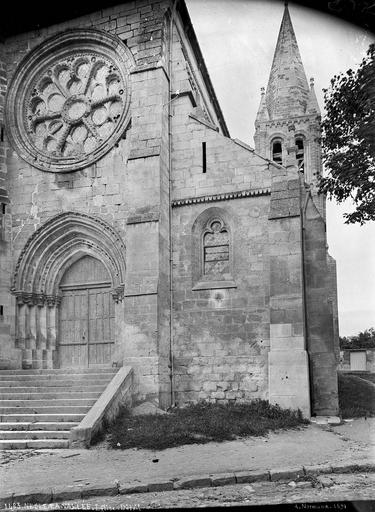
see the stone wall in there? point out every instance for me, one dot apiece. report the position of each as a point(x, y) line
point(288, 360)
point(321, 325)
point(344, 364)
point(220, 328)
point(221, 334)
point(10, 357)
point(127, 188)
point(229, 330)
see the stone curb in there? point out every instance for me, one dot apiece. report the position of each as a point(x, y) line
point(67, 493)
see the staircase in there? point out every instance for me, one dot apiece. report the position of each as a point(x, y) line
point(39, 407)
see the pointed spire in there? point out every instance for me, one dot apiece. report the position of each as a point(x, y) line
point(262, 114)
point(313, 105)
point(287, 91)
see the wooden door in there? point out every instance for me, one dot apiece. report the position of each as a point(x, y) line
point(86, 326)
point(101, 323)
point(73, 343)
point(358, 361)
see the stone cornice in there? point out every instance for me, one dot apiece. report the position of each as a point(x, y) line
point(221, 197)
point(284, 122)
point(146, 217)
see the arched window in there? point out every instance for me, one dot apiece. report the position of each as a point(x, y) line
point(215, 249)
point(277, 151)
point(212, 250)
point(300, 153)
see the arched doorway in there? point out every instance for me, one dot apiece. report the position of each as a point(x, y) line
point(78, 262)
point(86, 321)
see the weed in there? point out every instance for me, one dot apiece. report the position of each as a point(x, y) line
point(356, 396)
point(200, 423)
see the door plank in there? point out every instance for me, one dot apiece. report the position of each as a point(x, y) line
point(86, 320)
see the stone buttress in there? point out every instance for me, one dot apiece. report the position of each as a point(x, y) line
point(287, 130)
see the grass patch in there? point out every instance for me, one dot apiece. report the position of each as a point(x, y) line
point(356, 396)
point(366, 376)
point(200, 423)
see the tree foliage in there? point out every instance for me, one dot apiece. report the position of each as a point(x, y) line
point(365, 339)
point(348, 137)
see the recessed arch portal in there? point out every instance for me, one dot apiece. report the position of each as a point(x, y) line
point(61, 241)
point(48, 254)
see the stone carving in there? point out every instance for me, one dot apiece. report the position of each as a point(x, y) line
point(69, 100)
point(212, 250)
point(215, 249)
point(37, 299)
point(118, 293)
point(59, 242)
point(221, 197)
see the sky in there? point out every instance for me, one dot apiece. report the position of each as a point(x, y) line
point(238, 40)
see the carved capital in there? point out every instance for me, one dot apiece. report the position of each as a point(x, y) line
point(39, 299)
point(53, 301)
point(118, 293)
point(19, 297)
point(28, 298)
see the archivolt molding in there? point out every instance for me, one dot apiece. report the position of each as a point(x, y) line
point(57, 245)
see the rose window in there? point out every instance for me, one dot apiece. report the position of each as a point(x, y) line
point(74, 105)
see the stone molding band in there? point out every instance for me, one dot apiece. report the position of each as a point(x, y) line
point(41, 299)
point(37, 299)
point(221, 197)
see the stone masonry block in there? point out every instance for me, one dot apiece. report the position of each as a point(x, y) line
point(129, 488)
point(280, 330)
point(101, 489)
point(223, 479)
point(192, 482)
point(286, 473)
point(244, 477)
point(316, 470)
point(158, 486)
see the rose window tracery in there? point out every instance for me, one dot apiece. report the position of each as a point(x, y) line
point(74, 106)
point(69, 106)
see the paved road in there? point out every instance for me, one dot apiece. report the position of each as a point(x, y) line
point(32, 471)
point(334, 488)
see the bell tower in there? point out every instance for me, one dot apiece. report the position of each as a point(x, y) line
point(289, 113)
point(303, 294)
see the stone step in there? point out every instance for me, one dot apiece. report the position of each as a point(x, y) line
point(54, 417)
point(34, 434)
point(56, 371)
point(50, 377)
point(47, 395)
point(65, 383)
point(38, 408)
point(49, 409)
point(57, 402)
point(52, 389)
point(41, 425)
point(34, 444)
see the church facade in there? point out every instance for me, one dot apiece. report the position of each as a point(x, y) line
point(136, 232)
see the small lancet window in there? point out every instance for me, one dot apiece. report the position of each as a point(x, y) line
point(216, 249)
point(277, 152)
point(300, 154)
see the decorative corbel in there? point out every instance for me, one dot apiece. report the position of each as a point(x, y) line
point(118, 293)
